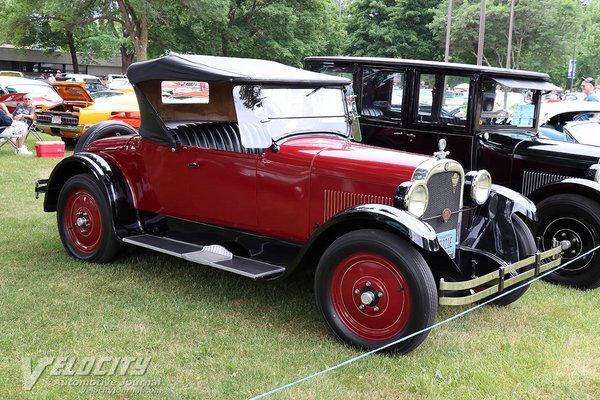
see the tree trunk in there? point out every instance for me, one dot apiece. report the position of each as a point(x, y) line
point(73, 51)
point(126, 58)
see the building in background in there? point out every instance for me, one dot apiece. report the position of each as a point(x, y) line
point(33, 62)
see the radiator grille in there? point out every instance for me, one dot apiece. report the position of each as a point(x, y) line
point(336, 201)
point(535, 180)
point(445, 190)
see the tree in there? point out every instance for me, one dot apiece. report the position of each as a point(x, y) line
point(281, 30)
point(392, 28)
point(53, 24)
point(543, 34)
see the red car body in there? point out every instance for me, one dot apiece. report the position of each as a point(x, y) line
point(261, 179)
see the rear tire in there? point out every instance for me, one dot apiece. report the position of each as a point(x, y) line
point(372, 288)
point(85, 222)
point(577, 219)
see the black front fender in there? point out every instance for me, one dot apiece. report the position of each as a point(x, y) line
point(580, 186)
point(125, 217)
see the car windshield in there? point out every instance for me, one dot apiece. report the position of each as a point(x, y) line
point(269, 113)
point(43, 91)
point(102, 96)
point(503, 106)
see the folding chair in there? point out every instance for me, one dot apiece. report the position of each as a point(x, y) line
point(34, 131)
point(6, 138)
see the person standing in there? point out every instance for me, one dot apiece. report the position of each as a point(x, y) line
point(587, 86)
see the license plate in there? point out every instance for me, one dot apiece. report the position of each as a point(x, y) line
point(56, 119)
point(447, 240)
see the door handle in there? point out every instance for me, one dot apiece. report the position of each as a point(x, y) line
point(411, 135)
point(193, 165)
point(398, 133)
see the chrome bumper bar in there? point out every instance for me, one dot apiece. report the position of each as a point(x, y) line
point(40, 187)
point(539, 262)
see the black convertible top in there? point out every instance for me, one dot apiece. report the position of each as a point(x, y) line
point(189, 67)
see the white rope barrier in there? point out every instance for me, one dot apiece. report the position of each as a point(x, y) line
point(461, 314)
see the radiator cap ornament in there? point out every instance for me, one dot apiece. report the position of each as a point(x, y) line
point(441, 154)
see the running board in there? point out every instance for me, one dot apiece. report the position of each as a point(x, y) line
point(214, 256)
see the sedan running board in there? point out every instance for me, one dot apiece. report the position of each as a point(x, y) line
point(214, 256)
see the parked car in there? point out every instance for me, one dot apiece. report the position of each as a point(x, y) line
point(498, 132)
point(586, 132)
point(12, 73)
point(121, 85)
point(260, 178)
point(13, 89)
point(92, 83)
point(556, 115)
point(79, 110)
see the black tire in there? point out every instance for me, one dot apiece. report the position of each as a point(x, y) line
point(101, 130)
point(577, 219)
point(527, 247)
point(387, 277)
point(85, 222)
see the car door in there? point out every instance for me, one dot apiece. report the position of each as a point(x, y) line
point(208, 185)
point(440, 109)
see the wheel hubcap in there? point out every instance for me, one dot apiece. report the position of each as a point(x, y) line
point(371, 296)
point(83, 221)
point(579, 236)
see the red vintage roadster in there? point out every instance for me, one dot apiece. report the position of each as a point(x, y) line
point(262, 178)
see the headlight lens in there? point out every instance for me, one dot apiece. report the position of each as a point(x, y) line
point(481, 184)
point(417, 199)
point(593, 173)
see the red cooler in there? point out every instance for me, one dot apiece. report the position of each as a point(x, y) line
point(50, 149)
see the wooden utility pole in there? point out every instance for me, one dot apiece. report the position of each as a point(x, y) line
point(510, 32)
point(481, 33)
point(448, 29)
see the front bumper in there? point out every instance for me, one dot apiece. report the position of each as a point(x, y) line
point(40, 187)
point(450, 293)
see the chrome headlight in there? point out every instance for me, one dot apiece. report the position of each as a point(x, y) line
point(593, 173)
point(412, 197)
point(478, 184)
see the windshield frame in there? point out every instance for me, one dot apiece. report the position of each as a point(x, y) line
point(264, 115)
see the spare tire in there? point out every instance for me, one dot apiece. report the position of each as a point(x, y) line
point(101, 130)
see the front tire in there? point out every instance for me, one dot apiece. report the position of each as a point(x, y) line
point(577, 219)
point(372, 288)
point(85, 221)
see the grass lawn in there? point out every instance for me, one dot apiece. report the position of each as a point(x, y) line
point(212, 335)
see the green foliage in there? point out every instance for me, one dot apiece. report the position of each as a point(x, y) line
point(284, 31)
point(544, 33)
point(391, 28)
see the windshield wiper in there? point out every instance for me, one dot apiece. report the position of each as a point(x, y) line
point(316, 90)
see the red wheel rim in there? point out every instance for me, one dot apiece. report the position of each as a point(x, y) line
point(371, 296)
point(83, 221)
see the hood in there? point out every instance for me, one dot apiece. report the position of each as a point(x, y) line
point(73, 92)
point(342, 159)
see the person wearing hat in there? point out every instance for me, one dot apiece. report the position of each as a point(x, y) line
point(587, 86)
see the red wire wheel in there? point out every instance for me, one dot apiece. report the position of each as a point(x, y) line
point(83, 221)
point(373, 288)
point(371, 296)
